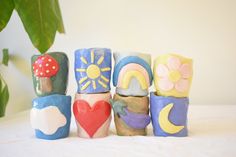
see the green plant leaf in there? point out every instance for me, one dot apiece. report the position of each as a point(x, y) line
point(5, 58)
point(0, 85)
point(6, 9)
point(57, 10)
point(4, 97)
point(2, 111)
point(40, 21)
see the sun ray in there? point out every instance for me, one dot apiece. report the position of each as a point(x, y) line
point(102, 84)
point(83, 79)
point(104, 78)
point(100, 60)
point(80, 70)
point(85, 85)
point(92, 56)
point(94, 84)
point(105, 69)
point(83, 60)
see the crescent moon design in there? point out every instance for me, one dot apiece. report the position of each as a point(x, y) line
point(164, 122)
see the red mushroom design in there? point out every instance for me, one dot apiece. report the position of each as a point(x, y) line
point(44, 68)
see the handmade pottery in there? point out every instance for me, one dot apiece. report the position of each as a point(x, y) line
point(172, 75)
point(50, 116)
point(132, 74)
point(93, 70)
point(50, 73)
point(92, 114)
point(169, 115)
point(131, 115)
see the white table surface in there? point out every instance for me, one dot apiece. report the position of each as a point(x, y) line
point(212, 132)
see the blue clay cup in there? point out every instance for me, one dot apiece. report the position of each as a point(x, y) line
point(51, 116)
point(169, 115)
point(93, 70)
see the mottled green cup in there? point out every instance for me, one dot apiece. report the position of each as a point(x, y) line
point(50, 73)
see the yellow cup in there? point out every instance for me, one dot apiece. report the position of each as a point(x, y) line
point(173, 75)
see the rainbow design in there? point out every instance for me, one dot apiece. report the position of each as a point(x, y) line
point(132, 76)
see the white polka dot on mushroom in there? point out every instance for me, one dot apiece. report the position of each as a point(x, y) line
point(53, 67)
point(47, 71)
point(49, 60)
point(47, 64)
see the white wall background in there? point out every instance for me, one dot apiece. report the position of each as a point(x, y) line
point(204, 30)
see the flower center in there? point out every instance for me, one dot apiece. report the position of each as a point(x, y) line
point(174, 76)
point(93, 71)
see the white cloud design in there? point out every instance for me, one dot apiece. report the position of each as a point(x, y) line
point(47, 120)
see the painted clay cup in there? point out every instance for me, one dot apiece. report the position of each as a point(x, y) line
point(93, 70)
point(132, 74)
point(50, 116)
point(50, 73)
point(169, 115)
point(92, 114)
point(131, 115)
point(172, 75)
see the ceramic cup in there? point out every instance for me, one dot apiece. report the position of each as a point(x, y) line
point(131, 115)
point(132, 74)
point(50, 116)
point(169, 115)
point(50, 73)
point(172, 75)
point(93, 70)
point(92, 113)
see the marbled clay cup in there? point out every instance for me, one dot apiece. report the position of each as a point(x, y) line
point(131, 115)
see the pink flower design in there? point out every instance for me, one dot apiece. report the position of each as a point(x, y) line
point(174, 76)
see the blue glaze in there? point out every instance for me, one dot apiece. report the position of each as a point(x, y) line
point(63, 103)
point(177, 115)
point(127, 60)
point(86, 53)
point(135, 120)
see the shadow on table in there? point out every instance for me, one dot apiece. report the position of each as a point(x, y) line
point(73, 133)
point(212, 128)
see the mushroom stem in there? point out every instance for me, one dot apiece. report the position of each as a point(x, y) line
point(45, 84)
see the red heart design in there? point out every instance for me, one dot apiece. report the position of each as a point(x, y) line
point(91, 118)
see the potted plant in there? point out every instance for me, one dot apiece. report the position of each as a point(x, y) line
point(41, 20)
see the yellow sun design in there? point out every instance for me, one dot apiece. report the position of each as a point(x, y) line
point(93, 72)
